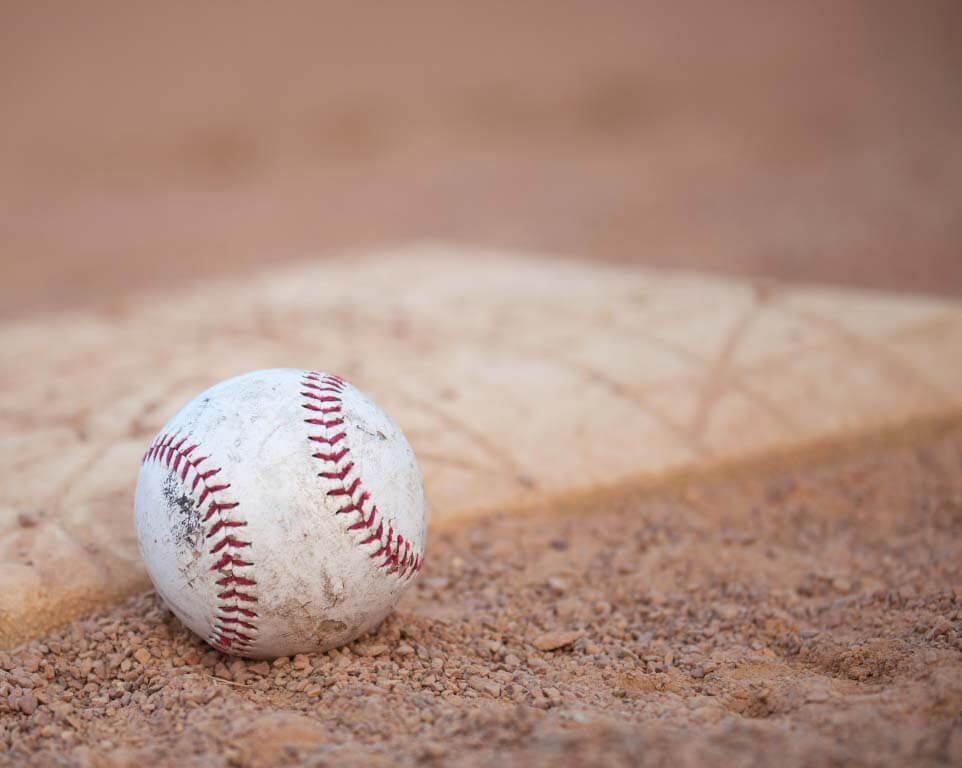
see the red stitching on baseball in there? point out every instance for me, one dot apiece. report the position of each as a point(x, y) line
point(333, 440)
point(174, 457)
point(323, 398)
point(228, 559)
point(232, 579)
point(344, 490)
point(223, 524)
point(337, 475)
point(226, 595)
point(332, 409)
point(314, 382)
point(335, 457)
point(229, 541)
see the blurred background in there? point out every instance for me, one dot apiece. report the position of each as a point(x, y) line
point(143, 144)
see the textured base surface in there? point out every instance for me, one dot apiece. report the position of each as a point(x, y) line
point(518, 382)
point(805, 617)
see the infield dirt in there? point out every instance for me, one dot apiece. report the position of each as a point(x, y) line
point(811, 616)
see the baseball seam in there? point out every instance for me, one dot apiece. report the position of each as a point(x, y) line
point(234, 625)
point(322, 395)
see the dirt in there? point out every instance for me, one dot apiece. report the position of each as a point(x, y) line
point(803, 617)
point(145, 147)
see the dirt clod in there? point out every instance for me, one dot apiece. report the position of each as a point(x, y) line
point(551, 641)
point(27, 704)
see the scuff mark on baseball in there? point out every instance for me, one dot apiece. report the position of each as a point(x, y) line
point(280, 512)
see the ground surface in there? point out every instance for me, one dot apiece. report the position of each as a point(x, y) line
point(145, 145)
point(802, 617)
point(810, 617)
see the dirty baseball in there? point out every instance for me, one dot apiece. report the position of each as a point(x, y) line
point(280, 512)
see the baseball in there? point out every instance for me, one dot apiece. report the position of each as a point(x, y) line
point(280, 512)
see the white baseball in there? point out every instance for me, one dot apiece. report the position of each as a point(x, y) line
point(280, 512)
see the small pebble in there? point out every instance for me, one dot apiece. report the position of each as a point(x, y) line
point(432, 750)
point(551, 641)
point(261, 668)
point(27, 704)
point(485, 686)
point(557, 585)
point(842, 585)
